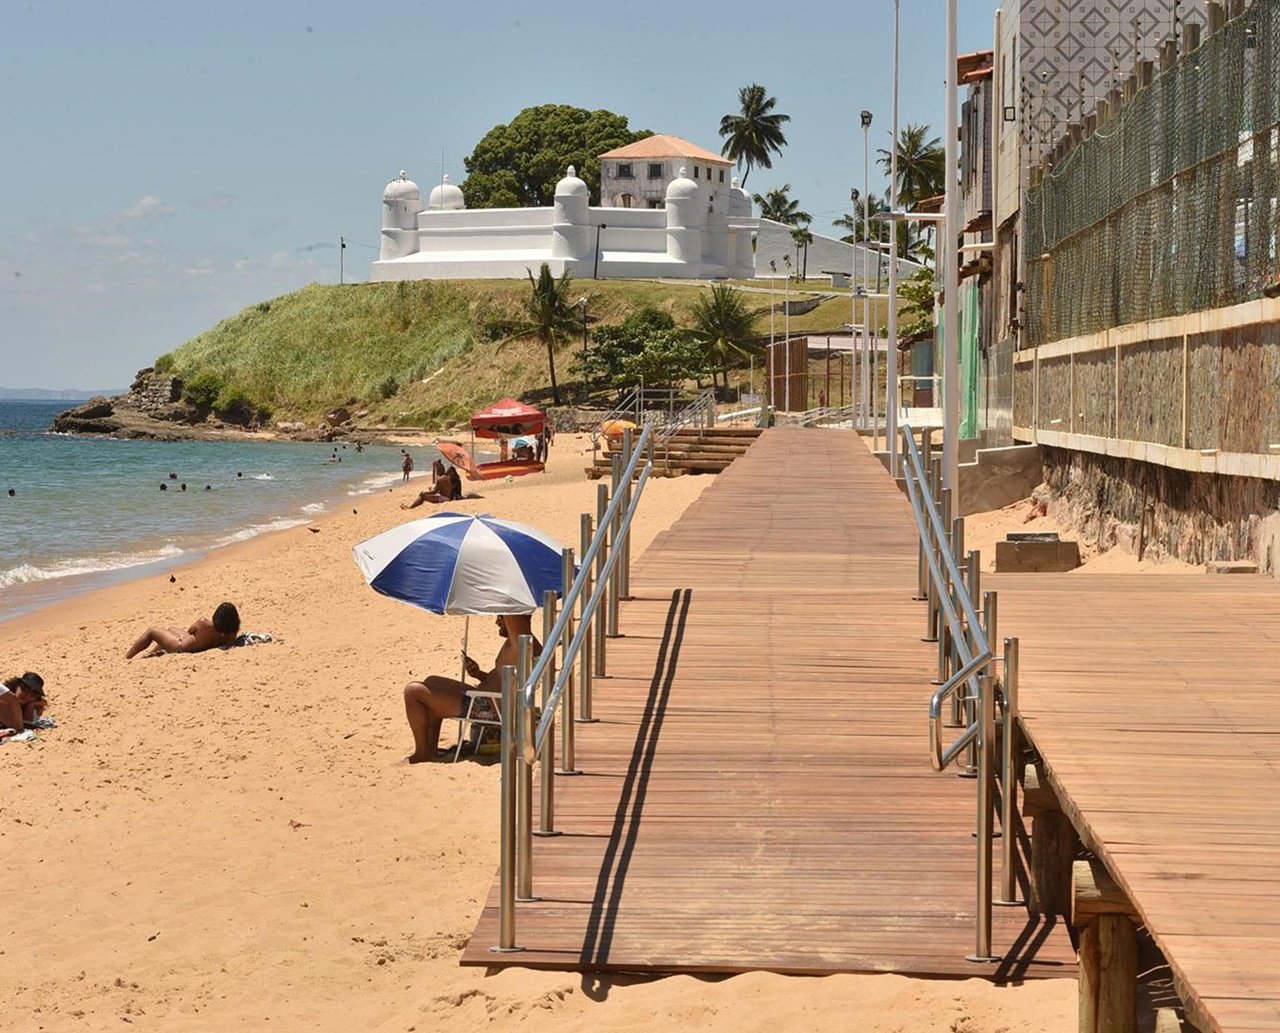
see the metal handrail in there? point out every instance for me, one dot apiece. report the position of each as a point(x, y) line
point(570, 597)
point(693, 414)
point(968, 636)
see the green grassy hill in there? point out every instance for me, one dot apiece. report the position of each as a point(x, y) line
point(421, 353)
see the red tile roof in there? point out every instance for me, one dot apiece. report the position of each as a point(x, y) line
point(664, 146)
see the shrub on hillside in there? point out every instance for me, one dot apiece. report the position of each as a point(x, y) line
point(203, 390)
point(234, 406)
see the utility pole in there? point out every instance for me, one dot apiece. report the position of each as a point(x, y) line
point(342, 254)
point(951, 278)
point(891, 360)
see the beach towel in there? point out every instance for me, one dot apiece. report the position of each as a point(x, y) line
point(253, 638)
point(42, 723)
point(16, 737)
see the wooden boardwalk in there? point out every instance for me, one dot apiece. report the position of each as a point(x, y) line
point(1155, 703)
point(757, 793)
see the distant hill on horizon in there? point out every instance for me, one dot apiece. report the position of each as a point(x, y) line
point(44, 394)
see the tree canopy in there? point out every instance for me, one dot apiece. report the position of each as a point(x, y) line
point(779, 206)
point(922, 166)
point(753, 135)
point(518, 164)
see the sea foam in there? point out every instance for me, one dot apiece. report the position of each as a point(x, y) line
point(25, 573)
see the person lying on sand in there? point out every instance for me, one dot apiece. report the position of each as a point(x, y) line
point(203, 634)
point(427, 703)
point(21, 700)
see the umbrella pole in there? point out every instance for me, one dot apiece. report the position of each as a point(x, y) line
point(466, 631)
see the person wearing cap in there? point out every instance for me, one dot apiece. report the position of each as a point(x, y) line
point(21, 700)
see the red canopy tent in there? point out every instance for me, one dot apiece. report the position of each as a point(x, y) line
point(503, 419)
point(508, 419)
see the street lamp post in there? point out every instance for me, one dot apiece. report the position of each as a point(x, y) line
point(856, 420)
point(582, 304)
point(786, 333)
point(891, 372)
point(771, 370)
point(866, 397)
point(951, 281)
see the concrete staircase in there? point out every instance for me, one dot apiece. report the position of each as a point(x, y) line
point(690, 450)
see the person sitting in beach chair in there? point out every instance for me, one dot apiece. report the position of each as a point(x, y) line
point(431, 701)
point(21, 702)
point(203, 634)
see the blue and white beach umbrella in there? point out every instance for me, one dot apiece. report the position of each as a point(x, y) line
point(462, 564)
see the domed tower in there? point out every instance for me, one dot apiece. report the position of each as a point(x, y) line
point(741, 258)
point(686, 215)
point(401, 204)
point(571, 219)
point(446, 198)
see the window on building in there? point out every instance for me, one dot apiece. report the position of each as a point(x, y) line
point(624, 170)
point(722, 175)
point(656, 204)
point(625, 200)
point(655, 170)
point(695, 172)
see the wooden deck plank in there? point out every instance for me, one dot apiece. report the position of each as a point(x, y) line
point(1155, 703)
point(758, 792)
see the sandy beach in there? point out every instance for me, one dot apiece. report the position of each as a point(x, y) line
point(232, 840)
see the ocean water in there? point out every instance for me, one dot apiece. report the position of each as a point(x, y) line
point(87, 511)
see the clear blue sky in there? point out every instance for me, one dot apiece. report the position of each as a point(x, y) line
point(166, 164)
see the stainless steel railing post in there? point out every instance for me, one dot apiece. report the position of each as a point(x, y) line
point(933, 616)
point(944, 587)
point(986, 814)
point(614, 529)
point(1009, 774)
point(624, 561)
point(524, 780)
point(972, 578)
point(585, 653)
point(602, 557)
point(547, 755)
point(908, 470)
point(567, 744)
point(507, 837)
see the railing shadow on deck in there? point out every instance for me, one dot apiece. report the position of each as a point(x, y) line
point(626, 822)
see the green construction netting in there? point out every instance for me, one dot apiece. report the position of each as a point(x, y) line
point(968, 357)
point(1171, 206)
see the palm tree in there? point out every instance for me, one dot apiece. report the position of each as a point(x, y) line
point(922, 164)
point(776, 205)
point(802, 239)
point(755, 134)
point(852, 225)
point(552, 315)
point(723, 325)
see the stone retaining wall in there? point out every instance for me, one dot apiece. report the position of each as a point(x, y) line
point(1194, 517)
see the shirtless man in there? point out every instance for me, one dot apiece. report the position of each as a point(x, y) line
point(427, 703)
point(21, 700)
point(442, 492)
point(203, 634)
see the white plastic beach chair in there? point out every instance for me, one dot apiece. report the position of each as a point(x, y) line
point(468, 720)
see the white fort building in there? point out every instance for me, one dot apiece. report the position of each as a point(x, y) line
point(671, 209)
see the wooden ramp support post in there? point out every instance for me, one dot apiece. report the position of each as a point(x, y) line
point(1108, 951)
point(1053, 847)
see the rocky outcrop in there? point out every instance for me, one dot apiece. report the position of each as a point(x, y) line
point(96, 416)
